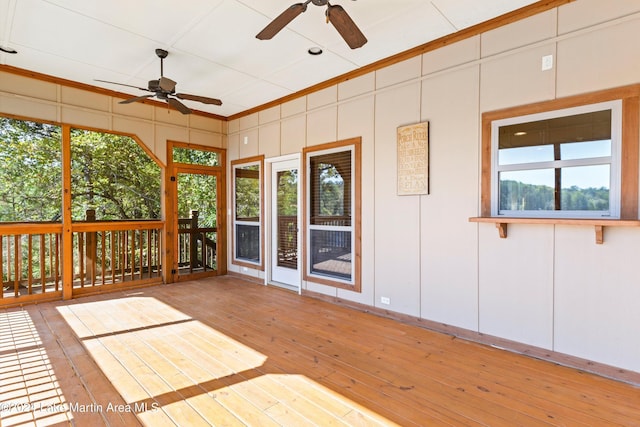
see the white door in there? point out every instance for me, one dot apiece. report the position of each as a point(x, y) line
point(285, 227)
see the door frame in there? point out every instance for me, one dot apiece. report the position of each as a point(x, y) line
point(170, 241)
point(269, 261)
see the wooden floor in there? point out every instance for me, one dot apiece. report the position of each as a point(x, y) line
point(226, 352)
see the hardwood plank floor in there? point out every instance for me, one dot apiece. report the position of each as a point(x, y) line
point(224, 351)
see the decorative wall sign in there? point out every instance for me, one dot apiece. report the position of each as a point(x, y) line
point(413, 159)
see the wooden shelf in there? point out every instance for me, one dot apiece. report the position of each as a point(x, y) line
point(598, 224)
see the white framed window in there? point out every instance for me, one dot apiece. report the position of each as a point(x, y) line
point(558, 164)
point(248, 212)
point(332, 214)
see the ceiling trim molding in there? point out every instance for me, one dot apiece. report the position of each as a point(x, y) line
point(502, 20)
point(90, 88)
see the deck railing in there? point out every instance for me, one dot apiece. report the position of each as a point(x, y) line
point(105, 254)
point(197, 246)
point(120, 252)
point(30, 259)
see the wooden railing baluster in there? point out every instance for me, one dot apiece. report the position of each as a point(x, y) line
point(16, 269)
point(106, 254)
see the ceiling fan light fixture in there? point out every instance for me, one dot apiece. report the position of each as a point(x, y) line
point(315, 50)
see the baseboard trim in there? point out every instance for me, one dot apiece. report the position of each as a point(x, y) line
point(601, 369)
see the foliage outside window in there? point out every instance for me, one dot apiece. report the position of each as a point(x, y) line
point(30, 171)
point(190, 155)
point(247, 201)
point(563, 163)
point(114, 176)
point(332, 189)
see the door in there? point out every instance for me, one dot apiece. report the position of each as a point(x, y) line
point(285, 228)
point(198, 218)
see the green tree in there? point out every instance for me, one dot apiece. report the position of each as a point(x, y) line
point(198, 192)
point(247, 185)
point(113, 175)
point(30, 171)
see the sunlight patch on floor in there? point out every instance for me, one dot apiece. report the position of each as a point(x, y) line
point(29, 391)
point(170, 368)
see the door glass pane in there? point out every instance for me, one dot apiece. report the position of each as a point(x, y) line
point(288, 219)
point(197, 223)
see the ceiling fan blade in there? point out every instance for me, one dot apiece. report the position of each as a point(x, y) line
point(178, 106)
point(282, 20)
point(167, 84)
point(122, 84)
point(203, 99)
point(137, 98)
point(345, 26)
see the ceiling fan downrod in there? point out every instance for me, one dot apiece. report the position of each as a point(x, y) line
point(162, 54)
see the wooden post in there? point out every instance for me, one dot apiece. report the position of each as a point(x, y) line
point(91, 249)
point(193, 241)
point(67, 231)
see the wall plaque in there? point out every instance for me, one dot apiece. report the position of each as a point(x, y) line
point(413, 159)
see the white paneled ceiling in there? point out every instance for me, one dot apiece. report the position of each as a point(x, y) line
point(212, 47)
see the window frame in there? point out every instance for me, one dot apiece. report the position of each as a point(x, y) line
point(613, 160)
point(236, 164)
point(354, 146)
point(629, 148)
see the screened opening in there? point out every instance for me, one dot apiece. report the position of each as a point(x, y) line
point(193, 156)
point(112, 176)
point(30, 171)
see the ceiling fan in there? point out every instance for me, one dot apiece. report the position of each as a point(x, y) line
point(165, 89)
point(335, 14)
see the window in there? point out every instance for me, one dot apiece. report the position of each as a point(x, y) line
point(562, 163)
point(247, 201)
point(332, 214)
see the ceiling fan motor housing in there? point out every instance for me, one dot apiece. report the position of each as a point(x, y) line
point(154, 85)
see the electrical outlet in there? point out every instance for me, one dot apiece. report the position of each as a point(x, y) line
point(245, 269)
point(385, 300)
point(547, 62)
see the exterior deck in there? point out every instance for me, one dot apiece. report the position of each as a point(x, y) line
point(222, 351)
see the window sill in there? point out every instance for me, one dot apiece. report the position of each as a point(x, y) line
point(598, 224)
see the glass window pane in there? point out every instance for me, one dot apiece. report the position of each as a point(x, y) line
point(529, 154)
point(585, 150)
point(247, 186)
point(330, 179)
point(248, 242)
point(196, 157)
point(528, 190)
point(585, 188)
point(581, 135)
point(287, 232)
point(331, 253)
